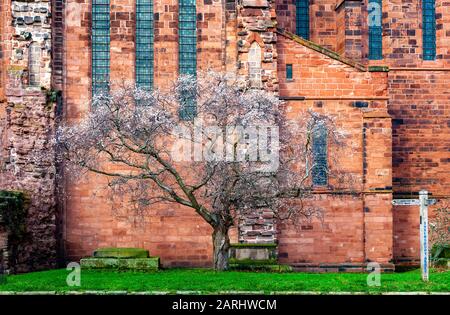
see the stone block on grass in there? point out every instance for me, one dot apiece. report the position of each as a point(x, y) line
point(120, 252)
point(141, 264)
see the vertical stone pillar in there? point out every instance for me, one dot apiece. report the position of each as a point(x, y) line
point(256, 23)
point(257, 69)
point(231, 36)
point(377, 164)
point(350, 26)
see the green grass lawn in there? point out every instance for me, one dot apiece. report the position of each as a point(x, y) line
point(204, 280)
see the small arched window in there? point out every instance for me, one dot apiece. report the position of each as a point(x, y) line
point(34, 64)
point(254, 65)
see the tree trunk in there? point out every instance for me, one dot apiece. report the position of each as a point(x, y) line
point(221, 244)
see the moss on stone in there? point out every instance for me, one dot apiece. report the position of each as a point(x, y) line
point(378, 69)
point(15, 68)
point(323, 50)
point(258, 267)
point(121, 253)
point(13, 211)
point(144, 264)
point(259, 262)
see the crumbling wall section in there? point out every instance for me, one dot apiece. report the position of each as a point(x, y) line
point(27, 126)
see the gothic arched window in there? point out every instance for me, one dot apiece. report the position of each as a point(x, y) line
point(375, 30)
point(254, 65)
point(320, 155)
point(34, 64)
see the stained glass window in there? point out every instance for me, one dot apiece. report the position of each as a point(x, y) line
point(187, 37)
point(187, 56)
point(375, 30)
point(144, 43)
point(100, 46)
point(429, 29)
point(302, 18)
point(320, 156)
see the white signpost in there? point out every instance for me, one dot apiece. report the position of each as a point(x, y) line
point(423, 197)
point(423, 202)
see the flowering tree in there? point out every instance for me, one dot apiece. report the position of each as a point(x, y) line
point(208, 144)
point(440, 234)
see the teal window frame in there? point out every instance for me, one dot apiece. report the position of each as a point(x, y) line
point(302, 18)
point(144, 60)
point(187, 53)
point(100, 46)
point(375, 33)
point(429, 29)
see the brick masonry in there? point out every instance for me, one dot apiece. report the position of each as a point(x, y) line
point(396, 123)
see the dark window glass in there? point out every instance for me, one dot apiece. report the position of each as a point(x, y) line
point(320, 156)
point(429, 29)
point(144, 43)
point(289, 74)
point(187, 58)
point(302, 18)
point(100, 46)
point(375, 30)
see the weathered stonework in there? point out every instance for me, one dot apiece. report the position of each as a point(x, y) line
point(256, 25)
point(258, 228)
point(350, 27)
point(27, 125)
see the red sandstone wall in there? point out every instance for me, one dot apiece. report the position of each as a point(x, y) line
point(286, 13)
point(175, 233)
point(338, 239)
point(417, 102)
point(319, 76)
point(322, 20)
point(323, 23)
point(356, 228)
point(419, 106)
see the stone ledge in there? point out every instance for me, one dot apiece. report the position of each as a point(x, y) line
point(332, 54)
point(325, 51)
point(121, 253)
point(144, 264)
point(378, 69)
point(255, 3)
point(342, 267)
